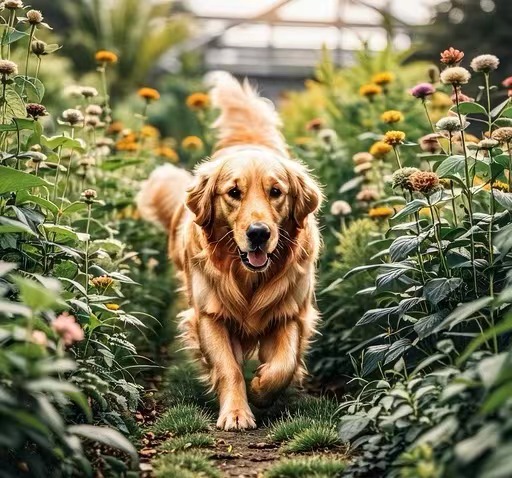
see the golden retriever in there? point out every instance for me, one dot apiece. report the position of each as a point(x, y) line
point(244, 240)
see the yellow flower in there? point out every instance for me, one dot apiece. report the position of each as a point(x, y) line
point(370, 90)
point(198, 101)
point(105, 56)
point(192, 143)
point(380, 149)
point(127, 144)
point(167, 153)
point(391, 116)
point(382, 212)
point(149, 94)
point(393, 138)
point(113, 307)
point(500, 185)
point(441, 100)
point(102, 282)
point(383, 78)
point(149, 131)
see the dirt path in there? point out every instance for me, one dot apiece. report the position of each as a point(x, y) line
point(244, 454)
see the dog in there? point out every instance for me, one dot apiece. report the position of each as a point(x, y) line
point(244, 241)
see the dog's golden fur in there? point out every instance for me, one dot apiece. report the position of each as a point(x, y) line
point(233, 310)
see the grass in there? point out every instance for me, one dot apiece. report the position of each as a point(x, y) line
point(285, 429)
point(317, 437)
point(182, 419)
point(318, 408)
point(310, 467)
point(184, 465)
point(188, 441)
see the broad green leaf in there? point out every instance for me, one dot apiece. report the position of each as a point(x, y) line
point(8, 225)
point(15, 107)
point(452, 165)
point(503, 199)
point(14, 36)
point(411, 208)
point(373, 356)
point(24, 197)
point(373, 315)
point(469, 107)
point(402, 246)
point(396, 350)
point(352, 425)
point(61, 232)
point(463, 312)
point(351, 184)
point(439, 289)
point(441, 433)
point(63, 141)
point(30, 87)
point(502, 109)
point(13, 180)
point(425, 326)
point(35, 295)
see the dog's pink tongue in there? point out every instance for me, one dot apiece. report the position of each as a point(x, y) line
point(257, 258)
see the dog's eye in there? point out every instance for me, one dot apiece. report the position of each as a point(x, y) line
point(275, 193)
point(235, 193)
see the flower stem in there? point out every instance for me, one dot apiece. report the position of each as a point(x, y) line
point(436, 220)
point(89, 210)
point(397, 155)
point(488, 94)
point(428, 115)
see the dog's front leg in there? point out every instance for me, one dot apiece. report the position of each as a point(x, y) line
point(224, 358)
point(280, 356)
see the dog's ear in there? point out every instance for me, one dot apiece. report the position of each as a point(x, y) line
point(201, 195)
point(306, 193)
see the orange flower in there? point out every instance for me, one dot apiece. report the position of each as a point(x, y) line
point(391, 116)
point(198, 101)
point(105, 56)
point(370, 90)
point(315, 124)
point(383, 78)
point(382, 212)
point(149, 94)
point(380, 149)
point(394, 138)
point(113, 307)
point(192, 143)
point(115, 127)
point(149, 131)
point(167, 153)
point(452, 57)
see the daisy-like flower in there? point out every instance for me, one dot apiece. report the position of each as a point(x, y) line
point(102, 282)
point(383, 78)
point(424, 182)
point(316, 124)
point(367, 195)
point(149, 94)
point(167, 153)
point(370, 90)
point(400, 178)
point(35, 110)
point(362, 168)
point(93, 110)
point(392, 116)
point(451, 124)
point(89, 195)
point(380, 149)
point(340, 208)
point(503, 135)
point(488, 144)
point(115, 127)
point(394, 138)
point(382, 212)
point(500, 185)
point(149, 131)
point(13, 4)
point(485, 63)
point(105, 56)
point(88, 91)
point(192, 143)
point(455, 75)
point(362, 157)
point(422, 90)
point(66, 327)
point(430, 143)
point(34, 17)
point(93, 121)
point(8, 68)
point(452, 57)
point(73, 116)
point(198, 101)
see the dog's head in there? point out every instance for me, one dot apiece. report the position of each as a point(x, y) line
point(252, 196)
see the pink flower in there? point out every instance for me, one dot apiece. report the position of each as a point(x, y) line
point(66, 327)
point(38, 337)
point(422, 90)
point(462, 98)
point(507, 82)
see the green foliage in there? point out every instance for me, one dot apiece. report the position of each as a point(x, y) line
point(181, 419)
point(316, 437)
point(184, 465)
point(286, 428)
point(188, 441)
point(309, 467)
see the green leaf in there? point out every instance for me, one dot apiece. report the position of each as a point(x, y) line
point(437, 290)
point(13, 36)
point(411, 208)
point(63, 141)
point(503, 199)
point(352, 425)
point(373, 356)
point(463, 312)
point(471, 448)
point(498, 464)
point(425, 326)
point(396, 350)
point(36, 295)
point(24, 197)
point(373, 315)
point(33, 88)
point(452, 165)
point(501, 109)
point(13, 180)
point(441, 433)
point(114, 164)
point(402, 246)
point(8, 225)
point(107, 436)
point(468, 107)
point(61, 232)
point(15, 107)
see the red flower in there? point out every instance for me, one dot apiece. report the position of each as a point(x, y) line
point(452, 56)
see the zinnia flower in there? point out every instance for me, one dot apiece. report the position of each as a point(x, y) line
point(370, 90)
point(507, 82)
point(105, 56)
point(8, 68)
point(383, 78)
point(400, 178)
point(149, 94)
point(450, 124)
point(327, 136)
point(392, 116)
point(485, 63)
point(340, 208)
point(316, 124)
point(167, 153)
point(488, 144)
point(35, 110)
point(362, 168)
point(455, 75)
point(380, 149)
point(13, 4)
point(90, 195)
point(192, 143)
point(72, 116)
point(198, 101)
point(394, 138)
point(66, 327)
point(461, 97)
point(363, 157)
point(94, 110)
point(422, 90)
point(34, 17)
point(500, 185)
point(367, 195)
point(503, 135)
point(88, 91)
point(382, 212)
point(424, 182)
point(102, 282)
point(452, 57)
point(38, 47)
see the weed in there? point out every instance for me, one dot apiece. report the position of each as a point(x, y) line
point(310, 467)
point(188, 441)
point(184, 465)
point(316, 437)
point(182, 419)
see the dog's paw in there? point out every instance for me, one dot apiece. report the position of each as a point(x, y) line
point(236, 419)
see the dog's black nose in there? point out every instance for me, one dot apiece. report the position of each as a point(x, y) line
point(258, 233)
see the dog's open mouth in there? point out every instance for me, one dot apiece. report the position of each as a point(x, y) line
point(256, 260)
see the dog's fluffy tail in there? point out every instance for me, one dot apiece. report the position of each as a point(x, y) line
point(163, 193)
point(245, 117)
